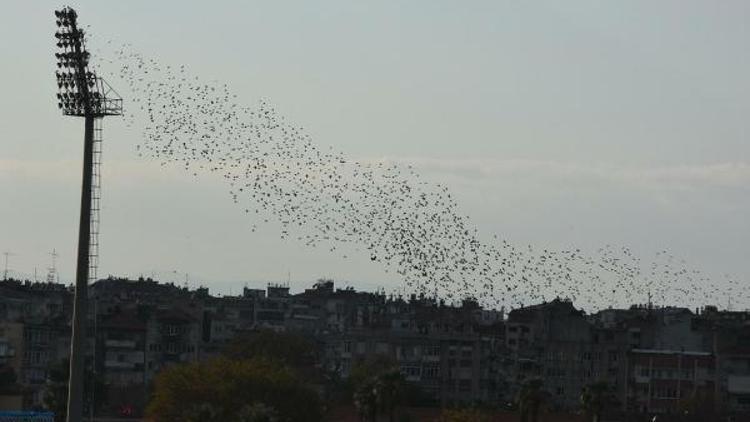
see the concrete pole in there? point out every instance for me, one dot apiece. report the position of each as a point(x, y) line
point(80, 301)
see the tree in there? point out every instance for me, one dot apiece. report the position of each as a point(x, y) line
point(463, 415)
point(7, 379)
point(698, 406)
point(253, 390)
point(530, 400)
point(596, 398)
point(379, 388)
point(258, 412)
point(56, 390)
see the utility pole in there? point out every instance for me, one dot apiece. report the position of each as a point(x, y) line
point(82, 94)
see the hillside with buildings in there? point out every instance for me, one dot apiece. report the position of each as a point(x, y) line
point(653, 359)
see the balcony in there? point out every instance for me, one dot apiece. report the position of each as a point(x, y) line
point(113, 364)
point(120, 344)
point(738, 384)
point(7, 352)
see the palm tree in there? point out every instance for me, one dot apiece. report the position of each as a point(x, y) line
point(530, 400)
point(391, 391)
point(595, 398)
point(380, 395)
point(366, 401)
point(258, 412)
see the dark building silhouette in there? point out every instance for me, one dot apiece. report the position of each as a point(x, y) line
point(653, 360)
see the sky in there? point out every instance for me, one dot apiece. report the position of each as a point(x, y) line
point(555, 124)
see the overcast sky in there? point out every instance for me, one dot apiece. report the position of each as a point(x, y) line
point(555, 123)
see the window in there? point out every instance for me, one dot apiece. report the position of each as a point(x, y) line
point(432, 351)
point(410, 371)
point(431, 371)
point(381, 348)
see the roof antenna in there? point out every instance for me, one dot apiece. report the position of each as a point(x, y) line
point(5, 273)
point(52, 270)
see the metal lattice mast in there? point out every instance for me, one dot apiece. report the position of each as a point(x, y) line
point(82, 94)
point(96, 196)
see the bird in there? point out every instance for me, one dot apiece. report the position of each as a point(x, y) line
point(275, 172)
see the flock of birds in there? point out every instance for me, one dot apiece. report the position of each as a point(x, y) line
point(274, 170)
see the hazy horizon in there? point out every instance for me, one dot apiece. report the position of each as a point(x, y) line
point(557, 125)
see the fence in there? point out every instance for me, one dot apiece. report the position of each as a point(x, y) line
point(26, 416)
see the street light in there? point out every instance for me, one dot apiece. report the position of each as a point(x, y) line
point(82, 94)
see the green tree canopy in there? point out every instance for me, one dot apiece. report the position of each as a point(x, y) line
point(7, 379)
point(379, 388)
point(530, 400)
point(597, 398)
point(56, 389)
point(463, 415)
point(220, 390)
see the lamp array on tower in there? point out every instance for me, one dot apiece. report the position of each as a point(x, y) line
point(80, 91)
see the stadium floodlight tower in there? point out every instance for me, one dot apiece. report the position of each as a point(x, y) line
point(82, 94)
